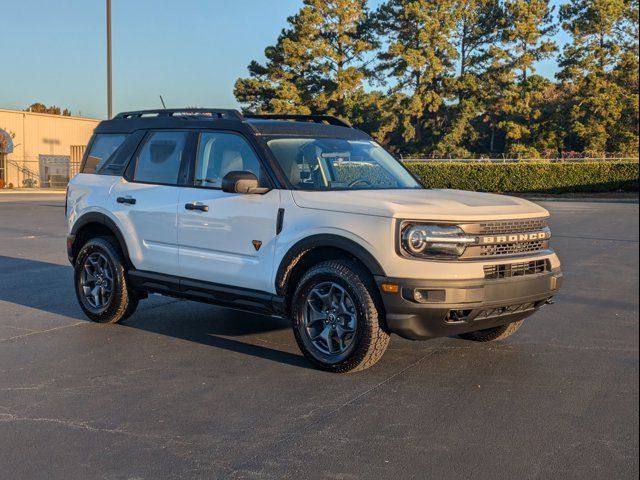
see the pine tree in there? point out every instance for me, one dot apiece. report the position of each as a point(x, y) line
point(526, 36)
point(477, 30)
point(625, 133)
point(602, 61)
point(377, 114)
point(527, 28)
point(459, 75)
point(420, 58)
point(277, 86)
point(317, 64)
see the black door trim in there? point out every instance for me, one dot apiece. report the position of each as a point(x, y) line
point(238, 298)
point(280, 221)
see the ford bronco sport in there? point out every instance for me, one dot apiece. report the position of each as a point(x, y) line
point(302, 217)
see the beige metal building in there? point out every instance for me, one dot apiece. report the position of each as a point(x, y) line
point(41, 150)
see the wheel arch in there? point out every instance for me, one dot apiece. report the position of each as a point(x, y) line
point(91, 225)
point(320, 247)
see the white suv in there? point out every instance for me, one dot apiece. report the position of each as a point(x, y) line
point(302, 217)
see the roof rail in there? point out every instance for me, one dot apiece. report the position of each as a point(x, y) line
point(329, 119)
point(217, 113)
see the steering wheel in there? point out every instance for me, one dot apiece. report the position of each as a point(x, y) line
point(359, 181)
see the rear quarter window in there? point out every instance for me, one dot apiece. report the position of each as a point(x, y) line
point(102, 147)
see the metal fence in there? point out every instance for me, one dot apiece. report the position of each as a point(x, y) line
point(46, 171)
point(55, 171)
point(509, 159)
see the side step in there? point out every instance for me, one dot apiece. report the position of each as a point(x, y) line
point(238, 298)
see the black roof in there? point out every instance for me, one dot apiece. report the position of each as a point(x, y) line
point(228, 119)
point(304, 129)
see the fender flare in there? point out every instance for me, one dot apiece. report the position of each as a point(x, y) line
point(102, 219)
point(297, 251)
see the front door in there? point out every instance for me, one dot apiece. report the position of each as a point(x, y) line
point(227, 238)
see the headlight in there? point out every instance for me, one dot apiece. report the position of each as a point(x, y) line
point(434, 240)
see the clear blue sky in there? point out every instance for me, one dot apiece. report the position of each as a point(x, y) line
point(190, 51)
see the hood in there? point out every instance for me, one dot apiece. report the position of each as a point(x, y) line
point(452, 205)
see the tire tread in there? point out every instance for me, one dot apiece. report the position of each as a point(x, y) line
point(125, 300)
point(375, 339)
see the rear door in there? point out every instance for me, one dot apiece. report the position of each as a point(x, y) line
point(145, 200)
point(227, 238)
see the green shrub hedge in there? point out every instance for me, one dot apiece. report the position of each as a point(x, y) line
point(539, 176)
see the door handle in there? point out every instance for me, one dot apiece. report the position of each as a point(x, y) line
point(128, 200)
point(196, 206)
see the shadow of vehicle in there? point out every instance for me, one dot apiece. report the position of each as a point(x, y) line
point(49, 287)
point(40, 285)
point(211, 325)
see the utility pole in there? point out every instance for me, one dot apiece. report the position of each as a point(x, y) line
point(109, 96)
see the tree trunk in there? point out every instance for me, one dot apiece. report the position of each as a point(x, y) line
point(463, 58)
point(524, 69)
point(493, 137)
point(418, 128)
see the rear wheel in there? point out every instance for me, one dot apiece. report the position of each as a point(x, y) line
point(101, 282)
point(336, 319)
point(493, 334)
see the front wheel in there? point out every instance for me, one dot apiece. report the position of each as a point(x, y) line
point(101, 282)
point(336, 319)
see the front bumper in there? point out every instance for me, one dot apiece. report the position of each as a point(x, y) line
point(458, 306)
point(71, 238)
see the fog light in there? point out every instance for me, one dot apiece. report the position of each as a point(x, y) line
point(423, 295)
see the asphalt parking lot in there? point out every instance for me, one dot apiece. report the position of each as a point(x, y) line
point(187, 390)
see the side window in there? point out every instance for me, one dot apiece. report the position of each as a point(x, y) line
point(221, 153)
point(118, 161)
point(102, 147)
point(160, 157)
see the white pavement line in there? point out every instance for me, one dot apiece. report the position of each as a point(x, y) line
point(43, 331)
point(10, 417)
point(22, 329)
point(19, 191)
point(375, 387)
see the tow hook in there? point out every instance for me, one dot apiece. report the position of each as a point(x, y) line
point(550, 301)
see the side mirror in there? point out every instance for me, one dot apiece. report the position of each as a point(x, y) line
point(242, 182)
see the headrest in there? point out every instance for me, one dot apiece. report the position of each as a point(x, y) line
point(161, 150)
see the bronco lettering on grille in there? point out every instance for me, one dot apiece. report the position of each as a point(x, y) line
point(520, 237)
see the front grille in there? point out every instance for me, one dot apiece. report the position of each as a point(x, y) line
point(509, 270)
point(512, 248)
point(507, 238)
point(513, 226)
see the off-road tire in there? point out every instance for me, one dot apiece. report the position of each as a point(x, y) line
point(493, 334)
point(123, 301)
point(370, 340)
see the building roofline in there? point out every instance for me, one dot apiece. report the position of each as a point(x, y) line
point(50, 115)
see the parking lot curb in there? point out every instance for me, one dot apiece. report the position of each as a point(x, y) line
point(25, 191)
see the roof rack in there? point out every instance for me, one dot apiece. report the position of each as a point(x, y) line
point(228, 114)
point(328, 119)
point(216, 113)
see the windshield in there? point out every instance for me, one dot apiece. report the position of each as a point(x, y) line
point(338, 164)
